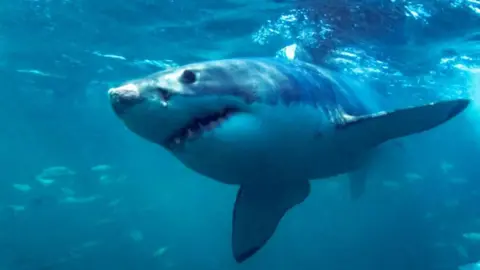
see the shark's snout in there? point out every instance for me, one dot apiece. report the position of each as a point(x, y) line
point(124, 97)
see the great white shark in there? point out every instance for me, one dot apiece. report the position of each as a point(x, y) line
point(270, 126)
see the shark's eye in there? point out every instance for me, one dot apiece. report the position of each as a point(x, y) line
point(188, 77)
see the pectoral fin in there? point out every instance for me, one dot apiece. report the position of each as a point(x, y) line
point(258, 212)
point(377, 128)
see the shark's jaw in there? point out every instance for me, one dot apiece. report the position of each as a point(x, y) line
point(199, 125)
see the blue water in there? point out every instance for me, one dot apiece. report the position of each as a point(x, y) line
point(146, 211)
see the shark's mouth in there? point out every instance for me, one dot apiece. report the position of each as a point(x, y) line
point(197, 126)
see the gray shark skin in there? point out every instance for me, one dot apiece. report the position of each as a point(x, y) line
point(270, 126)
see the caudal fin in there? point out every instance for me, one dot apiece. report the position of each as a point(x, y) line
point(380, 127)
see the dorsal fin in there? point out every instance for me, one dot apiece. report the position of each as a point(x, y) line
point(294, 52)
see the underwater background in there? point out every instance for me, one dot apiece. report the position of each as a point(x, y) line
point(79, 191)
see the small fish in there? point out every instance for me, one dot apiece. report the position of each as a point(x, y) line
point(413, 177)
point(159, 252)
point(446, 166)
point(44, 181)
point(472, 236)
point(80, 200)
point(136, 235)
point(105, 179)
point(101, 168)
point(22, 187)
point(17, 208)
point(56, 171)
